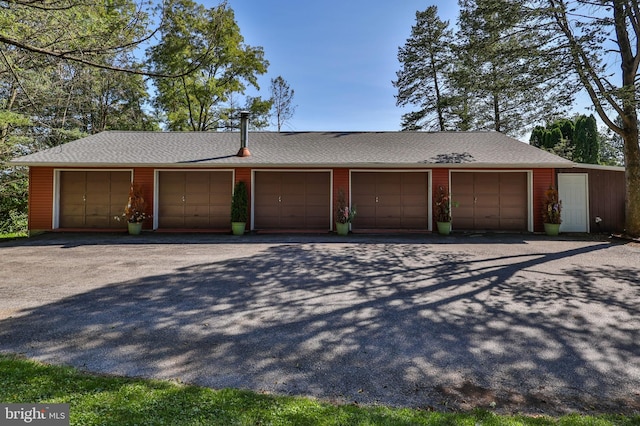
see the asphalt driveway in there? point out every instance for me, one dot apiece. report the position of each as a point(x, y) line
point(522, 323)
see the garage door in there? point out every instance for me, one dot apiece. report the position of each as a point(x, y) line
point(391, 200)
point(495, 201)
point(292, 200)
point(93, 199)
point(194, 200)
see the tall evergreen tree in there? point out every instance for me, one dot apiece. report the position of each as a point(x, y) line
point(586, 140)
point(553, 138)
point(512, 75)
point(537, 136)
point(557, 137)
point(567, 127)
point(422, 81)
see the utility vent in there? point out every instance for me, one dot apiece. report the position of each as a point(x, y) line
point(244, 134)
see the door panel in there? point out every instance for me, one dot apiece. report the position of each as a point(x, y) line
point(572, 190)
point(489, 201)
point(98, 205)
point(171, 199)
point(92, 199)
point(390, 200)
point(194, 199)
point(72, 199)
point(292, 200)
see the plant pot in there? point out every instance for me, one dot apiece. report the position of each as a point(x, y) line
point(342, 228)
point(134, 228)
point(444, 228)
point(552, 229)
point(238, 227)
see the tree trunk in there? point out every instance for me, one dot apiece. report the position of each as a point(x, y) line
point(632, 182)
point(496, 113)
point(629, 67)
point(436, 86)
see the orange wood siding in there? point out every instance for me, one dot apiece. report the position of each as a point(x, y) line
point(40, 213)
point(542, 180)
point(243, 174)
point(143, 176)
point(439, 177)
point(340, 181)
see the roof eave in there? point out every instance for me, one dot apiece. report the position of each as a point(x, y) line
point(598, 167)
point(195, 165)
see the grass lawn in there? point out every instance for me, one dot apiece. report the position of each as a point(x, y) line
point(100, 400)
point(12, 235)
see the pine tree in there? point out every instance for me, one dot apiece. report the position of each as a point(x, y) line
point(586, 140)
point(422, 81)
point(512, 74)
point(282, 101)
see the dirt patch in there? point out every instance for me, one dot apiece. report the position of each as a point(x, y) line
point(470, 396)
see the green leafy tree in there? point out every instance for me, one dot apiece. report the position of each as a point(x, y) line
point(211, 38)
point(611, 146)
point(63, 98)
point(257, 107)
point(79, 32)
point(66, 98)
point(259, 110)
point(422, 80)
point(490, 75)
point(13, 181)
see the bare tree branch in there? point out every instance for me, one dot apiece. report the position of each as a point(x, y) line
point(90, 55)
point(584, 68)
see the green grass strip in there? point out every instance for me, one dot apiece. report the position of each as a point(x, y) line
point(12, 235)
point(106, 400)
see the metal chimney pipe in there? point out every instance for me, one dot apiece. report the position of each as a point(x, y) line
point(244, 134)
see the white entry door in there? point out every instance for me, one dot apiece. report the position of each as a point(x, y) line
point(573, 192)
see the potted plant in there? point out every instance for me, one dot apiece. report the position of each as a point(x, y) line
point(134, 212)
point(344, 214)
point(442, 210)
point(239, 208)
point(551, 212)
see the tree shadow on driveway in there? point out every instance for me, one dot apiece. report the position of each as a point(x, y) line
point(397, 324)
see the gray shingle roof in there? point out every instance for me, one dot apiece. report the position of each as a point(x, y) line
point(336, 149)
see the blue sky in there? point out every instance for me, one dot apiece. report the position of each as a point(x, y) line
point(339, 56)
